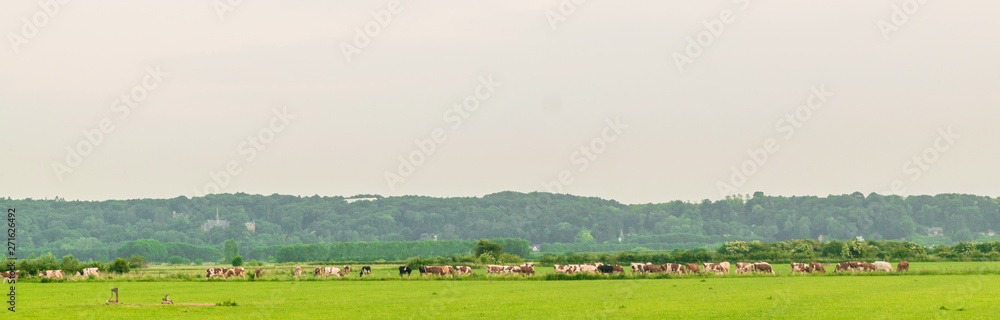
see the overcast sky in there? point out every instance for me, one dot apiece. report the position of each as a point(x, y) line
point(666, 98)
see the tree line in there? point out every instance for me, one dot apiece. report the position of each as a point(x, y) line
point(95, 230)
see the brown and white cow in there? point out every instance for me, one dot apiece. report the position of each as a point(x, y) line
point(560, 268)
point(526, 270)
point(86, 273)
point(297, 272)
point(691, 268)
point(801, 268)
point(843, 266)
point(258, 273)
point(652, 268)
point(744, 267)
point(674, 268)
point(239, 272)
point(763, 267)
point(638, 267)
point(717, 268)
point(903, 266)
point(10, 276)
point(494, 269)
point(215, 272)
point(817, 267)
point(460, 270)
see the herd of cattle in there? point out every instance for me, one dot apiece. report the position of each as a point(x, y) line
point(528, 268)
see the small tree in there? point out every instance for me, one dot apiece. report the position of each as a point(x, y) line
point(198, 261)
point(237, 261)
point(230, 249)
point(484, 246)
point(136, 262)
point(120, 266)
point(178, 260)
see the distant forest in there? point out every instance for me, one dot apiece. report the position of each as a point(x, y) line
point(555, 222)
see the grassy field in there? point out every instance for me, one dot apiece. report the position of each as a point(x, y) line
point(918, 295)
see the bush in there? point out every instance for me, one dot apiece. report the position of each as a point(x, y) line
point(253, 263)
point(484, 246)
point(178, 260)
point(120, 266)
point(198, 262)
point(228, 302)
point(136, 262)
point(237, 261)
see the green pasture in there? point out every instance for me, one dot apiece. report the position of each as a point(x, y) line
point(757, 297)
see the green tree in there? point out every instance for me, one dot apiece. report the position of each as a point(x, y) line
point(198, 262)
point(230, 250)
point(119, 266)
point(484, 246)
point(178, 260)
point(237, 261)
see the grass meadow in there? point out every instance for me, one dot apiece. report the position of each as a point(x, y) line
point(964, 290)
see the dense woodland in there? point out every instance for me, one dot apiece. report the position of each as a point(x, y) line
point(556, 222)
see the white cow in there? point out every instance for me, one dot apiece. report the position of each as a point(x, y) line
point(883, 266)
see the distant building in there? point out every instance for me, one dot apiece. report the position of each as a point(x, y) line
point(860, 238)
point(991, 233)
point(252, 226)
point(215, 223)
point(935, 232)
point(820, 238)
point(536, 248)
point(178, 214)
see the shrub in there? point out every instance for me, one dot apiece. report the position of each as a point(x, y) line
point(228, 302)
point(198, 262)
point(136, 262)
point(120, 266)
point(237, 261)
point(178, 260)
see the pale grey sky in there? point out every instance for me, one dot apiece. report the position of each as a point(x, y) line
point(540, 78)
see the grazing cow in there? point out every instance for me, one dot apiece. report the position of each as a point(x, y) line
point(618, 268)
point(652, 268)
point(843, 266)
point(867, 266)
point(86, 273)
point(817, 267)
point(883, 266)
point(9, 276)
point(297, 272)
point(239, 272)
point(328, 271)
point(460, 270)
point(744, 267)
point(526, 270)
point(763, 267)
point(638, 267)
point(562, 269)
point(405, 269)
point(717, 268)
point(434, 270)
point(691, 268)
point(903, 266)
point(801, 268)
point(230, 273)
point(672, 268)
point(258, 273)
point(606, 269)
point(365, 270)
point(589, 268)
point(215, 272)
point(494, 269)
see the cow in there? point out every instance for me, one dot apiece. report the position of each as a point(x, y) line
point(434, 270)
point(718, 268)
point(903, 266)
point(589, 268)
point(297, 272)
point(672, 268)
point(744, 267)
point(638, 267)
point(494, 269)
point(215, 272)
point(652, 268)
point(10, 276)
point(404, 269)
point(817, 267)
point(86, 273)
point(365, 270)
point(239, 272)
point(230, 273)
point(867, 266)
point(606, 269)
point(526, 270)
point(460, 270)
point(801, 268)
point(618, 268)
point(691, 268)
point(257, 274)
point(562, 269)
point(882, 266)
point(843, 266)
point(763, 267)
